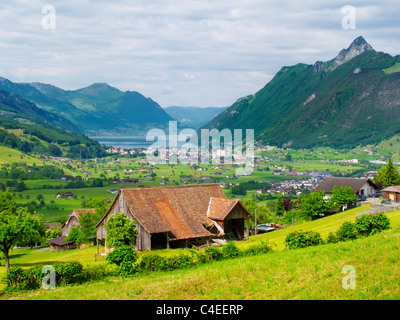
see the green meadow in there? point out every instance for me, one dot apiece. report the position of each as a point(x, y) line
point(301, 274)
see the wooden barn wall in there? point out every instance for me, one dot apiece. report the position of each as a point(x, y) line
point(119, 206)
point(143, 238)
point(236, 213)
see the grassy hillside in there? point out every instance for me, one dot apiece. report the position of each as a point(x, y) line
point(310, 273)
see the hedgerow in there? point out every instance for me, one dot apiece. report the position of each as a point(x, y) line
point(153, 262)
point(124, 261)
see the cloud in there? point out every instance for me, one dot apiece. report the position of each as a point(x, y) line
point(189, 52)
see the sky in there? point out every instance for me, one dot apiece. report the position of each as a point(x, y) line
point(182, 52)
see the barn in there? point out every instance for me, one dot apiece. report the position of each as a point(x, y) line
point(73, 220)
point(178, 216)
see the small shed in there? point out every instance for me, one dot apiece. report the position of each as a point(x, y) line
point(392, 193)
point(59, 244)
point(228, 216)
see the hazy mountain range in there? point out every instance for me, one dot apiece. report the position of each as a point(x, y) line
point(194, 117)
point(350, 100)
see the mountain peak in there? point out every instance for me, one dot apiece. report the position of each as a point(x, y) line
point(357, 47)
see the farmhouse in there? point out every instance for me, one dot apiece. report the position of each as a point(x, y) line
point(73, 220)
point(361, 187)
point(178, 216)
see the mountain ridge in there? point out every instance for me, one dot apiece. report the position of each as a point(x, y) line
point(96, 108)
point(326, 104)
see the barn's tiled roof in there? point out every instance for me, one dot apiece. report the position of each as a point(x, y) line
point(219, 208)
point(180, 210)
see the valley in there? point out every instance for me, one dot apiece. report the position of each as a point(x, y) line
point(64, 150)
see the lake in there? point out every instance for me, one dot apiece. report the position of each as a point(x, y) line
point(128, 142)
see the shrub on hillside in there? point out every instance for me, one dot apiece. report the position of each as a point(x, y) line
point(331, 238)
point(70, 272)
point(19, 279)
point(121, 254)
point(302, 239)
point(371, 224)
point(347, 231)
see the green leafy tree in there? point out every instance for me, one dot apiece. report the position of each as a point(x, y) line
point(54, 233)
point(387, 175)
point(120, 231)
point(100, 204)
point(87, 227)
point(263, 213)
point(314, 204)
point(279, 207)
point(17, 225)
point(342, 196)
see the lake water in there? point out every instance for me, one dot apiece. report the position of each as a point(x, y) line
point(128, 142)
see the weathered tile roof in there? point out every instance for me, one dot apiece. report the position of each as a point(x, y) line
point(60, 241)
point(219, 208)
point(179, 210)
point(392, 189)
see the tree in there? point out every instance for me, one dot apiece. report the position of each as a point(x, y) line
point(17, 225)
point(100, 204)
point(314, 204)
point(263, 213)
point(342, 196)
point(238, 190)
point(279, 207)
point(120, 231)
point(87, 227)
point(387, 175)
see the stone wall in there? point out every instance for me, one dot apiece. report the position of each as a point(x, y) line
point(377, 207)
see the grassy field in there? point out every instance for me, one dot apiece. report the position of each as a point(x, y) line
point(310, 273)
point(8, 155)
point(303, 274)
point(393, 69)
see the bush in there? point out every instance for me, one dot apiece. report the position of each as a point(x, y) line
point(253, 250)
point(148, 262)
point(70, 272)
point(371, 224)
point(121, 254)
point(99, 271)
point(18, 279)
point(346, 232)
point(302, 239)
point(230, 251)
point(331, 238)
